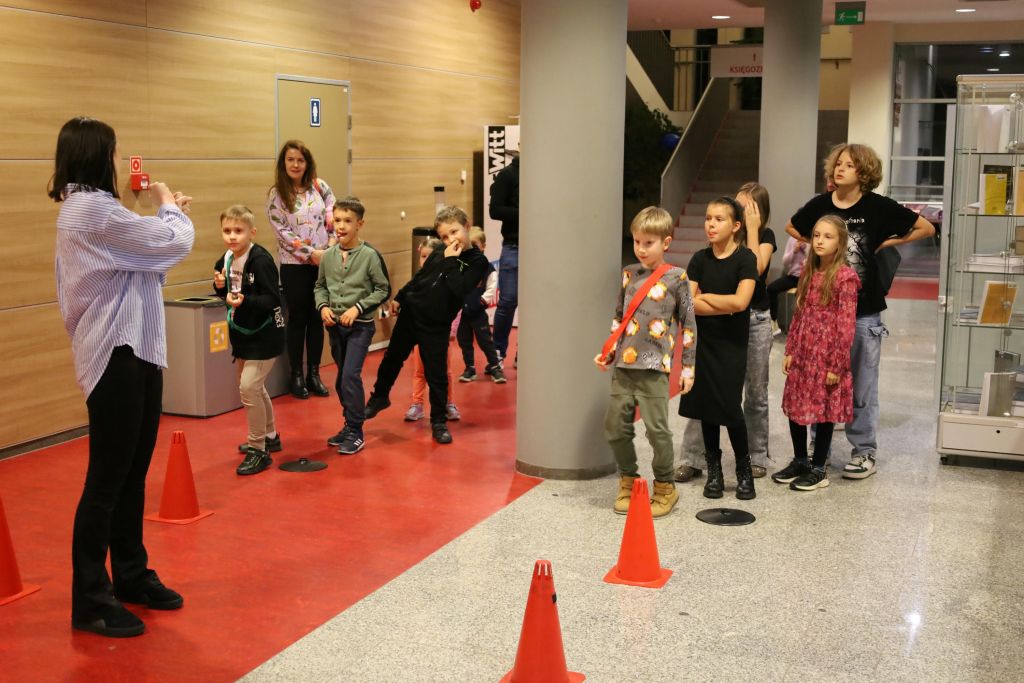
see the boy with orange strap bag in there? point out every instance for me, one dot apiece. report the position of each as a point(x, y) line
point(640, 351)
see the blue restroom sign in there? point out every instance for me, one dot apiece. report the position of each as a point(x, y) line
point(314, 112)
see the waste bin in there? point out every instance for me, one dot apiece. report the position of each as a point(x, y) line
point(201, 379)
point(419, 236)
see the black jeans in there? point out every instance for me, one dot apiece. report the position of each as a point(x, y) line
point(124, 413)
point(305, 327)
point(782, 284)
point(433, 345)
point(474, 323)
point(349, 346)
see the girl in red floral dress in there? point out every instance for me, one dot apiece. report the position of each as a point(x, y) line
point(819, 384)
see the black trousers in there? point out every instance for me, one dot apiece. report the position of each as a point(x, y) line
point(433, 344)
point(305, 327)
point(475, 323)
point(782, 284)
point(124, 413)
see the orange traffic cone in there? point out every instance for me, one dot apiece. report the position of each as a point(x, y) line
point(179, 504)
point(638, 557)
point(11, 587)
point(540, 658)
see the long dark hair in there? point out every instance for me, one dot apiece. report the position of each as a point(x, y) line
point(84, 156)
point(740, 236)
point(283, 183)
point(759, 193)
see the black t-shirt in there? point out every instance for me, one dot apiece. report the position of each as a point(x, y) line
point(759, 302)
point(871, 221)
point(722, 276)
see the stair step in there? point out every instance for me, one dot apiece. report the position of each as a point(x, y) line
point(716, 187)
point(689, 222)
point(687, 247)
point(705, 197)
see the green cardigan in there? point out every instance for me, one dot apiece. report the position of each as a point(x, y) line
point(362, 281)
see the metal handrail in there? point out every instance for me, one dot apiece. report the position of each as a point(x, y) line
point(683, 166)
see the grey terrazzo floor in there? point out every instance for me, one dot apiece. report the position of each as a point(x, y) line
point(915, 574)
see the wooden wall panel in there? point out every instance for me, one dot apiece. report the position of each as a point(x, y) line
point(118, 11)
point(210, 98)
point(388, 187)
point(311, 64)
point(403, 112)
point(304, 24)
point(40, 394)
point(214, 185)
point(438, 35)
point(53, 68)
point(28, 220)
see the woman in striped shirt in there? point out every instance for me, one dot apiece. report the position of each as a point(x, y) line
point(111, 264)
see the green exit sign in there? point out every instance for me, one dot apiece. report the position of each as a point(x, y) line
point(849, 13)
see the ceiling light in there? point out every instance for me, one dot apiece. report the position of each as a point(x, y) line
point(1004, 53)
point(993, 69)
point(987, 50)
point(964, 11)
point(720, 16)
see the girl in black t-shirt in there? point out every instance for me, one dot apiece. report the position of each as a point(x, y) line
point(722, 279)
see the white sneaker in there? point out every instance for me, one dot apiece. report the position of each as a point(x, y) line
point(860, 467)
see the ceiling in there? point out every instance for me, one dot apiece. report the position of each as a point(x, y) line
point(672, 14)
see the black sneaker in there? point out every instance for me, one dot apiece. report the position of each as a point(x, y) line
point(489, 370)
point(254, 462)
point(112, 621)
point(497, 374)
point(337, 439)
point(791, 472)
point(272, 445)
point(152, 593)
point(352, 443)
point(814, 479)
point(375, 405)
point(441, 433)
point(469, 375)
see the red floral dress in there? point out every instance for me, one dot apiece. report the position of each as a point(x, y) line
point(819, 340)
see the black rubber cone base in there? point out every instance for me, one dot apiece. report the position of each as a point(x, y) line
point(725, 517)
point(303, 465)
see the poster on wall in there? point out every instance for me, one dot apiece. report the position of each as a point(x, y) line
point(500, 142)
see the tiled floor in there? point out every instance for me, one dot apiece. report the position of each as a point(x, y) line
point(911, 575)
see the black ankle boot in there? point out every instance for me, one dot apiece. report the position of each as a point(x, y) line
point(298, 385)
point(715, 486)
point(744, 478)
point(316, 387)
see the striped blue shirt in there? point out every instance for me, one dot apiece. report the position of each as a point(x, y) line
point(111, 265)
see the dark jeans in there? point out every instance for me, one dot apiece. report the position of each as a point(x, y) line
point(508, 296)
point(124, 413)
point(472, 324)
point(822, 441)
point(783, 284)
point(349, 346)
point(305, 327)
point(433, 344)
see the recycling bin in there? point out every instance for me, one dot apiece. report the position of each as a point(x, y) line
point(201, 380)
point(419, 236)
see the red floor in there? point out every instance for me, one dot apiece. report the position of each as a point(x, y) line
point(282, 553)
point(914, 288)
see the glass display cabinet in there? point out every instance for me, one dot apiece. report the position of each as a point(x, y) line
point(981, 350)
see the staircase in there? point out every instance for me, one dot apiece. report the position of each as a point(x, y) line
point(732, 161)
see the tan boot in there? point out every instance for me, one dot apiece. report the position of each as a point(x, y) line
point(625, 491)
point(663, 499)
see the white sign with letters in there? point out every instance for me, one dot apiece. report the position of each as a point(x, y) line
point(737, 62)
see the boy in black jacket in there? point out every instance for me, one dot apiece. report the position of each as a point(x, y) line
point(247, 278)
point(429, 303)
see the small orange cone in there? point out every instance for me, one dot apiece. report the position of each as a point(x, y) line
point(540, 658)
point(638, 557)
point(179, 504)
point(11, 587)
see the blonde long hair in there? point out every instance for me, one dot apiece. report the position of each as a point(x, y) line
point(814, 263)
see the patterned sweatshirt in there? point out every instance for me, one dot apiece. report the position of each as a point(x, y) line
point(650, 335)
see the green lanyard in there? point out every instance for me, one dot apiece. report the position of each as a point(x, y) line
point(231, 312)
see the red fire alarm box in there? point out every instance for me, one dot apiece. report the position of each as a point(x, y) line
point(139, 180)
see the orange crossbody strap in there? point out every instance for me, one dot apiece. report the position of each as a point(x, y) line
point(613, 338)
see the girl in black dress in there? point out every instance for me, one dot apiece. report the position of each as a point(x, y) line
point(722, 279)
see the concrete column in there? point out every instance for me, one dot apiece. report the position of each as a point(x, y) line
point(572, 101)
point(789, 104)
